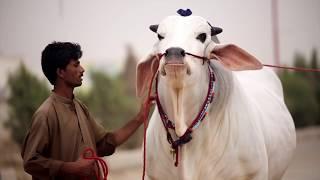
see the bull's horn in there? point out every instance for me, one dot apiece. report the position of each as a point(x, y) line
point(215, 30)
point(154, 28)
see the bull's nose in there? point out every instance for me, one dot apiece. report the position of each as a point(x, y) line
point(175, 52)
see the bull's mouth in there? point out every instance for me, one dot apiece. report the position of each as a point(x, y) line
point(174, 61)
point(175, 66)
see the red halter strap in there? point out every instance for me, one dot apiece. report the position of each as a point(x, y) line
point(199, 57)
point(186, 137)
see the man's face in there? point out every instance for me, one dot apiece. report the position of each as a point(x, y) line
point(72, 74)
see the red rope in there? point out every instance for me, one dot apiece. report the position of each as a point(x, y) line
point(145, 121)
point(268, 65)
point(293, 68)
point(177, 156)
point(100, 163)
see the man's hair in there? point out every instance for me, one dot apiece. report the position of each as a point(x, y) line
point(58, 55)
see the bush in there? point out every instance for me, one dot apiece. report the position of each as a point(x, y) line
point(26, 94)
point(109, 103)
point(302, 92)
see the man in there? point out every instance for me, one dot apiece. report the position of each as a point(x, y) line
point(62, 127)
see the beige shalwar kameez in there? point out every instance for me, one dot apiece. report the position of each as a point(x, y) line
point(60, 131)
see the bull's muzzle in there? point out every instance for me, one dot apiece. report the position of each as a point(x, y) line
point(174, 55)
point(175, 62)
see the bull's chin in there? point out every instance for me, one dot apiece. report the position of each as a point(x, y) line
point(175, 74)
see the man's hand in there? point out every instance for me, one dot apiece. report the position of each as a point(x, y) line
point(82, 167)
point(145, 109)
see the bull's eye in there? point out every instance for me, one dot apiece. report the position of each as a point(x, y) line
point(202, 37)
point(160, 37)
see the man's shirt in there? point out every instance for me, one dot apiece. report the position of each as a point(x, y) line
point(60, 131)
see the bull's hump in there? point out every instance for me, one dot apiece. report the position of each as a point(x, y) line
point(183, 20)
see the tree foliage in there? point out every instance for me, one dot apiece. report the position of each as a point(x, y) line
point(112, 100)
point(301, 90)
point(315, 77)
point(27, 92)
point(109, 103)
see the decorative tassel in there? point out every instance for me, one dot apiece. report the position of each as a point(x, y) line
point(184, 13)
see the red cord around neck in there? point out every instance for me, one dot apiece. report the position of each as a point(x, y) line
point(145, 121)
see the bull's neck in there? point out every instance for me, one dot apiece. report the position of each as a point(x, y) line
point(182, 98)
point(217, 129)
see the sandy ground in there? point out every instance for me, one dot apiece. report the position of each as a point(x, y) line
point(124, 165)
point(305, 165)
point(306, 162)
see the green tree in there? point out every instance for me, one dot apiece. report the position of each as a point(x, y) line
point(300, 99)
point(315, 77)
point(109, 103)
point(301, 91)
point(26, 94)
point(299, 60)
point(314, 59)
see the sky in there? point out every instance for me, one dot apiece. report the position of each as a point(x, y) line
point(103, 28)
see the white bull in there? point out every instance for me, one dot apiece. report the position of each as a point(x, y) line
point(247, 133)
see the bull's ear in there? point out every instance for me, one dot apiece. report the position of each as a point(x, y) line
point(233, 57)
point(145, 69)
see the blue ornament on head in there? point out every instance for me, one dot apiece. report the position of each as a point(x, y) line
point(184, 13)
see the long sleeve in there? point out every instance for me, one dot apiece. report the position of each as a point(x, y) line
point(105, 147)
point(35, 150)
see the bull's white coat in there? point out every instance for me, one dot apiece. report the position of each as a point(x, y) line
point(248, 132)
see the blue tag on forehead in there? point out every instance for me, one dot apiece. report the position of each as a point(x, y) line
point(186, 12)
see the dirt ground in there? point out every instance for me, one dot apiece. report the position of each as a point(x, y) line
point(124, 165)
point(305, 165)
point(306, 162)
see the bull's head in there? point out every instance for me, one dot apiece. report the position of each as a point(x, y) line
point(177, 37)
